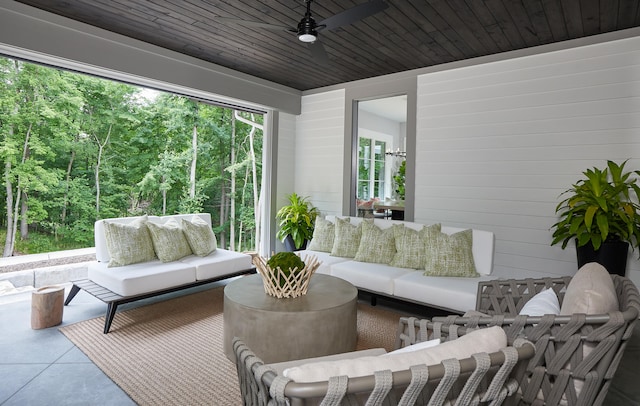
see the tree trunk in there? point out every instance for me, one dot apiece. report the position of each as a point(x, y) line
point(194, 157)
point(254, 171)
point(232, 211)
point(101, 146)
point(24, 223)
point(256, 192)
point(8, 241)
point(65, 199)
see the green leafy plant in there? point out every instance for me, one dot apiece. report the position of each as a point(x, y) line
point(286, 261)
point(399, 179)
point(602, 207)
point(297, 220)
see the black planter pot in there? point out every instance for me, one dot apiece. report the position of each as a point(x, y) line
point(612, 255)
point(290, 246)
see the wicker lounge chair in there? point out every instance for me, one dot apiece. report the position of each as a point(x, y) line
point(482, 379)
point(561, 372)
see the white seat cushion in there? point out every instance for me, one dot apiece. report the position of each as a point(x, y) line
point(325, 259)
point(373, 277)
point(141, 278)
point(219, 263)
point(446, 292)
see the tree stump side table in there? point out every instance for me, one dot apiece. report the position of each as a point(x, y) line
point(47, 307)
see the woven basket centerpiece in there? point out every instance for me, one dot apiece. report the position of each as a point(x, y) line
point(293, 280)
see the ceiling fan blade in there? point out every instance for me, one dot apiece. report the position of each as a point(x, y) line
point(319, 53)
point(229, 20)
point(353, 14)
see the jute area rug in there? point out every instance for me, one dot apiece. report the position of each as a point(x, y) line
point(171, 352)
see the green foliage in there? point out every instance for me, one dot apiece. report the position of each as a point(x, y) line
point(399, 179)
point(81, 133)
point(602, 207)
point(286, 261)
point(297, 220)
point(40, 242)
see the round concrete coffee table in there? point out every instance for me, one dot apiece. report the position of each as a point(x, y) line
point(322, 322)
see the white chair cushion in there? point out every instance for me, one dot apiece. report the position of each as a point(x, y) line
point(141, 278)
point(219, 263)
point(453, 293)
point(374, 277)
point(487, 340)
point(325, 258)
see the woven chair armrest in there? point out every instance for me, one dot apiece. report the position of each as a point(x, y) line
point(525, 351)
point(412, 330)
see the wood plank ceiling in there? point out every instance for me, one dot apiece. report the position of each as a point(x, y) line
point(409, 34)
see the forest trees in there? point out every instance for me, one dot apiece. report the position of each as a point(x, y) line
point(76, 148)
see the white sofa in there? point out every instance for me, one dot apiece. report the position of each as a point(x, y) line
point(457, 294)
point(122, 284)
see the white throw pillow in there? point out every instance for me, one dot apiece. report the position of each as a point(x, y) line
point(415, 347)
point(545, 302)
point(487, 340)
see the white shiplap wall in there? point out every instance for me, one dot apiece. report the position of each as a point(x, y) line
point(319, 151)
point(497, 143)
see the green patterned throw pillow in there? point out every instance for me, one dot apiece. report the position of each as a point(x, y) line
point(200, 236)
point(449, 255)
point(347, 239)
point(323, 235)
point(128, 243)
point(169, 241)
point(376, 245)
point(410, 245)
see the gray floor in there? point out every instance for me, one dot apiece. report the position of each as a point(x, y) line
point(42, 367)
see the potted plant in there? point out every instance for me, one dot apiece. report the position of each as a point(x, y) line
point(601, 213)
point(399, 180)
point(297, 221)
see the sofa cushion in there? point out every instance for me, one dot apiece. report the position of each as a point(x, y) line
point(590, 291)
point(347, 239)
point(128, 242)
point(324, 258)
point(200, 236)
point(410, 248)
point(449, 255)
point(487, 340)
point(458, 294)
point(374, 277)
point(169, 241)
point(142, 277)
point(323, 235)
point(376, 245)
point(219, 263)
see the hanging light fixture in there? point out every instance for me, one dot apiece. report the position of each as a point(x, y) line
point(307, 26)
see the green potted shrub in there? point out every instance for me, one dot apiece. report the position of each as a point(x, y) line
point(296, 222)
point(601, 213)
point(399, 180)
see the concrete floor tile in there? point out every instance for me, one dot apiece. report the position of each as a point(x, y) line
point(73, 356)
point(15, 376)
point(70, 384)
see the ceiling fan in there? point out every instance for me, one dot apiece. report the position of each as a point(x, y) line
point(307, 29)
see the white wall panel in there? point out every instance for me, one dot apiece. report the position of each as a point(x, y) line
point(497, 143)
point(319, 150)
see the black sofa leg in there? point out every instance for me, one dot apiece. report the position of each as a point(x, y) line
point(374, 300)
point(72, 293)
point(108, 318)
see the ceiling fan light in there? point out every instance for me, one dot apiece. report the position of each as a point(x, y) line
point(304, 37)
